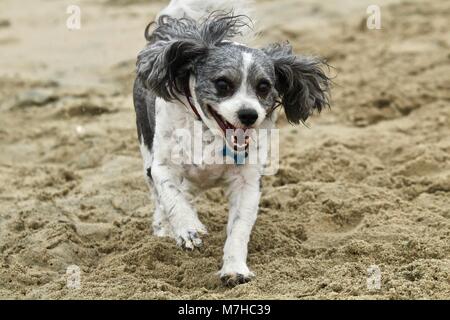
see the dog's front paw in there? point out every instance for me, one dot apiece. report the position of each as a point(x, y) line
point(162, 229)
point(233, 276)
point(188, 237)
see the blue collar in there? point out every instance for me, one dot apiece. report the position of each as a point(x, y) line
point(238, 157)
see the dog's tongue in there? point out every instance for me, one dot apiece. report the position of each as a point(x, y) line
point(239, 139)
point(240, 136)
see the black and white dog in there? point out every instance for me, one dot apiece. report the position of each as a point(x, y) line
point(192, 73)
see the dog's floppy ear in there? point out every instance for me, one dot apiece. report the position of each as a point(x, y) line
point(164, 66)
point(173, 47)
point(301, 83)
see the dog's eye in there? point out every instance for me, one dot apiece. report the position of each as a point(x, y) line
point(223, 86)
point(263, 87)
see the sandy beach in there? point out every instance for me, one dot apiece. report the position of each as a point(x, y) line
point(366, 183)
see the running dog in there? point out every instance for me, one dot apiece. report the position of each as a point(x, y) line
point(193, 74)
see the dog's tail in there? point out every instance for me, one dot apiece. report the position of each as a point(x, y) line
point(198, 9)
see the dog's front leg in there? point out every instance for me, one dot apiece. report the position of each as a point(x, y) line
point(182, 217)
point(244, 191)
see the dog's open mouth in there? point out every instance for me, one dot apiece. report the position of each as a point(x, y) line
point(237, 138)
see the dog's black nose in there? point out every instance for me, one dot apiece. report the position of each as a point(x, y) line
point(247, 116)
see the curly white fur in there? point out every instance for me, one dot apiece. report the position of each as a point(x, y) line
point(200, 9)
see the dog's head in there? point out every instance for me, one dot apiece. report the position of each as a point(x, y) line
point(234, 86)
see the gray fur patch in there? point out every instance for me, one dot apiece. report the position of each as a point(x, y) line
point(225, 61)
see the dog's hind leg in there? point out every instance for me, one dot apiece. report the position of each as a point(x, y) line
point(161, 226)
point(144, 104)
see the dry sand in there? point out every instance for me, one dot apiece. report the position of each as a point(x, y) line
point(368, 182)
